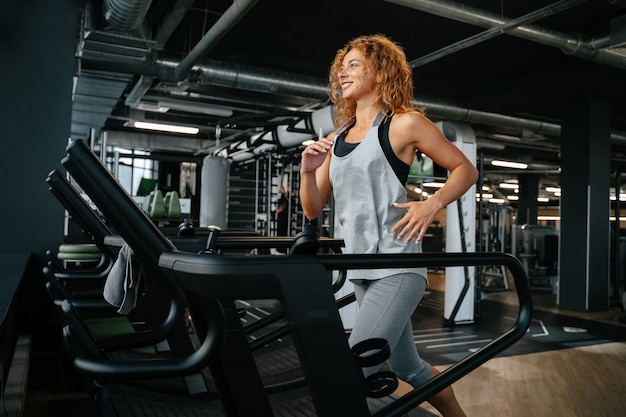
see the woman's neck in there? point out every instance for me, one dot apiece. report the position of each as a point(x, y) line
point(365, 115)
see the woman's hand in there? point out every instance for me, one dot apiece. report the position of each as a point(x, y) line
point(418, 217)
point(314, 155)
point(315, 185)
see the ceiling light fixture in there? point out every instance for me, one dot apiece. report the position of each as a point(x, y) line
point(508, 185)
point(166, 128)
point(433, 184)
point(549, 218)
point(153, 107)
point(509, 164)
point(195, 107)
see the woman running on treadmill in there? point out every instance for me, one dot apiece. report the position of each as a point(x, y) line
point(365, 165)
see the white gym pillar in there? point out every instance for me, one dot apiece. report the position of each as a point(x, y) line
point(462, 135)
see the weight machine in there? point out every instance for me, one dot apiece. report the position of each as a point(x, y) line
point(538, 249)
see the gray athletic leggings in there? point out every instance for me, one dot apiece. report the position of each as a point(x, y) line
point(385, 309)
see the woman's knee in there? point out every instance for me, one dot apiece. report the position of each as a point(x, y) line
point(417, 376)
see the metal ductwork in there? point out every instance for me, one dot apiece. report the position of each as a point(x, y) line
point(125, 15)
point(442, 110)
point(147, 141)
point(571, 45)
point(231, 75)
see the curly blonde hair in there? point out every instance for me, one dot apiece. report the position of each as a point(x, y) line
point(385, 57)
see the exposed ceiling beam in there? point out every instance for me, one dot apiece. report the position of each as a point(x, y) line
point(575, 45)
point(231, 16)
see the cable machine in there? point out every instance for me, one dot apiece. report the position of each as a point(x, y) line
point(496, 223)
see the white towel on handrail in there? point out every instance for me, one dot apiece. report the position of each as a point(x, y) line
point(122, 283)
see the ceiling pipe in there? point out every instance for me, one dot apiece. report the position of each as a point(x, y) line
point(575, 46)
point(229, 19)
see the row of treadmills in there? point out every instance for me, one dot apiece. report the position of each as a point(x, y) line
point(189, 348)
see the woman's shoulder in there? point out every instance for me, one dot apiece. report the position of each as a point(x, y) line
point(409, 120)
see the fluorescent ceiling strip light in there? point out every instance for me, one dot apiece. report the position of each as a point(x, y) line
point(432, 184)
point(509, 164)
point(167, 128)
point(508, 185)
point(548, 218)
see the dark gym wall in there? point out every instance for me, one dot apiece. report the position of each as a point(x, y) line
point(37, 43)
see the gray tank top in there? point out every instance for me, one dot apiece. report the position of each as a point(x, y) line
point(365, 187)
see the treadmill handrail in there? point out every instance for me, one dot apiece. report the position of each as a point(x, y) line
point(473, 360)
point(74, 203)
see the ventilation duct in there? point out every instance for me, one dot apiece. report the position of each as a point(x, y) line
point(287, 136)
point(125, 15)
point(323, 119)
point(224, 74)
point(263, 143)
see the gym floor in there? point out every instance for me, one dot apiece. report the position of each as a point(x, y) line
point(582, 381)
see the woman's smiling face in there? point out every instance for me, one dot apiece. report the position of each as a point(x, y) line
point(355, 77)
